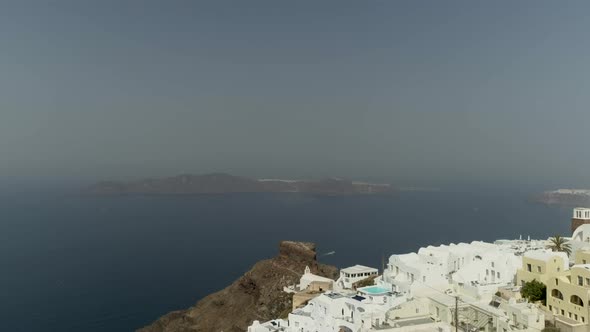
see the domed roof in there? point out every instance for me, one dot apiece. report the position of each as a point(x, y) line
point(582, 233)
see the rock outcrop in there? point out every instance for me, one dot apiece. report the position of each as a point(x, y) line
point(257, 295)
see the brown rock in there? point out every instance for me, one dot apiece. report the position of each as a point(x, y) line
point(257, 295)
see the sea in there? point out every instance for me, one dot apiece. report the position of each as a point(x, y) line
point(71, 262)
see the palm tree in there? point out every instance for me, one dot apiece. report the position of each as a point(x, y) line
point(560, 244)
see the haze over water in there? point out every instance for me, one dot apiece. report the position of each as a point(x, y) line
point(488, 101)
point(117, 263)
point(415, 92)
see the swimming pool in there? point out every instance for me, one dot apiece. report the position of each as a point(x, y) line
point(374, 290)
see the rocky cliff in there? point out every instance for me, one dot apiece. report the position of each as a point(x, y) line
point(257, 295)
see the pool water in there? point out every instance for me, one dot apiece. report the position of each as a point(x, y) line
point(374, 290)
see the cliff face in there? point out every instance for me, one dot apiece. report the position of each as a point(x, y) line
point(257, 295)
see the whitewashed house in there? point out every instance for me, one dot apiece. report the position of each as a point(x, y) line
point(418, 292)
point(350, 275)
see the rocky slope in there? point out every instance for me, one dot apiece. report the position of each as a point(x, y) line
point(257, 295)
point(225, 183)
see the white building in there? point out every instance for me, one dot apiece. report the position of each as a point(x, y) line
point(580, 239)
point(487, 272)
point(520, 316)
point(476, 269)
point(335, 311)
point(308, 280)
point(581, 213)
point(405, 270)
point(350, 275)
point(417, 292)
point(275, 325)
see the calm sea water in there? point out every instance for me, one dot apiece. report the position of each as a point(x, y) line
point(72, 263)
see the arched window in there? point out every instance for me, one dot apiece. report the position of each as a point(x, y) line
point(575, 299)
point(557, 294)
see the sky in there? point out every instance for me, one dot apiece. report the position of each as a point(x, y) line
point(415, 92)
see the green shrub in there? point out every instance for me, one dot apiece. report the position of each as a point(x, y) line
point(534, 291)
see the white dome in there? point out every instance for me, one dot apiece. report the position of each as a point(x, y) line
point(582, 233)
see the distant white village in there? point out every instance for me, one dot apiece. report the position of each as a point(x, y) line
point(585, 192)
point(457, 287)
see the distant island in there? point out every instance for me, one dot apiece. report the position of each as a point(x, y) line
point(565, 197)
point(218, 183)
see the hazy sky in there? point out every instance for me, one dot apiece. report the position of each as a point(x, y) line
point(415, 91)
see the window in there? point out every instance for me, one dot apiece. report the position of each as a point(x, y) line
point(492, 264)
point(580, 281)
point(487, 272)
point(562, 312)
point(575, 299)
point(583, 319)
point(569, 314)
point(528, 267)
point(587, 281)
point(556, 294)
point(576, 316)
point(539, 269)
point(556, 281)
point(583, 261)
point(498, 275)
point(550, 308)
